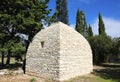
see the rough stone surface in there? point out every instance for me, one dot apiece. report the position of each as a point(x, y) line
point(59, 53)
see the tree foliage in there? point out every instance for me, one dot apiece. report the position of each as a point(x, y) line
point(90, 32)
point(23, 16)
point(81, 25)
point(101, 47)
point(101, 26)
point(116, 46)
point(20, 17)
point(61, 13)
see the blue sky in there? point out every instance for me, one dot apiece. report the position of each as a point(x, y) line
point(110, 10)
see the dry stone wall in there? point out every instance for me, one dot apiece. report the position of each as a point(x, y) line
point(59, 52)
point(75, 54)
point(43, 58)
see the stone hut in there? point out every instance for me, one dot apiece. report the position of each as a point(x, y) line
point(59, 53)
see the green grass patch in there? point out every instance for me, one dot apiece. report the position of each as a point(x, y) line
point(32, 80)
point(110, 71)
point(89, 79)
point(99, 79)
point(12, 60)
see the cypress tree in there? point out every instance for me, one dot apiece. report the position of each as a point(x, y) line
point(61, 11)
point(101, 26)
point(81, 25)
point(90, 32)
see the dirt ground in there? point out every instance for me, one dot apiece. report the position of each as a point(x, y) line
point(111, 72)
point(27, 78)
point(20, 78)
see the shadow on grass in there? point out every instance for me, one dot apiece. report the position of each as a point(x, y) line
point(109, 72)
point(13, 66)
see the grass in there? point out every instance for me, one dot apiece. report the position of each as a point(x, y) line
point(33, 80)
point(104, 73)
point(109, 72)
point(99, 79)
point(12, 60)
point(89, 79)
point(86, 79)
point(13, 64)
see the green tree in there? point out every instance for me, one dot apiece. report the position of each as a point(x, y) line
point(101, 26)
point(22, 17)
point(9, 44)
point(13, 46)
point(101, 44)
point(90, 32)
point(81, 25)
point(101, 48)
point(2, 42)
point(34, 16)
point(61, 11)
point(116, 47)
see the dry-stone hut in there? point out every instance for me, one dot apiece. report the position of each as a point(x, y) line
point(59, 52)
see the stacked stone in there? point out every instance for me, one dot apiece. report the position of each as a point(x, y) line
point(59, 53)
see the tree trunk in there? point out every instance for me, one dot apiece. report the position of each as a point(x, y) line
point(2, 60)
point(106, 59)
point(24, 60)
point(8, 58)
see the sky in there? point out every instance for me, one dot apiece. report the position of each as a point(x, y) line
point(109, 9)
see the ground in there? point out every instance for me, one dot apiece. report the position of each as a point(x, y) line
point(103, 73)
point(20, 78)
point(26, 78)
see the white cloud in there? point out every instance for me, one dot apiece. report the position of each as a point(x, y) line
point(112, 26)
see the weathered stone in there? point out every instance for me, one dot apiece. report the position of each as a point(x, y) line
point(59, 52)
